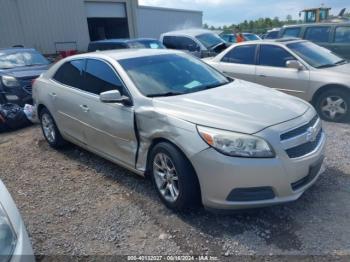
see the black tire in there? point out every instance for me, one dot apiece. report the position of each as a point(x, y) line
point(58, 141)
point(333, 94)
point(188, 186)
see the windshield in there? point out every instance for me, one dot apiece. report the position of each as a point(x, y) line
point(210, 40)
point(251, 37)
point(153, 44)
point(21, 58)
point(315, 55)
point(171, 74)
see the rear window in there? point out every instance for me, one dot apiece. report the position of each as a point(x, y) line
point(241, 55)
point(291, 32)
point(71, 73)
point(318, 34)
point(342, 34)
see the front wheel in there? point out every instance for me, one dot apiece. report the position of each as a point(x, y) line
point(334, 105)
point(173, 177)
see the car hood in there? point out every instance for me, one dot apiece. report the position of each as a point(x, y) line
point(341, 69)
point(239, 106)
point(25, 72)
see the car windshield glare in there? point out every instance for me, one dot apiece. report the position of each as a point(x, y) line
point(171, 74)
point(210, 40)
point(20, 59)
point(147, 44)
point(315, 55)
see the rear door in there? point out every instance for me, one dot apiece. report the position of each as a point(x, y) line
point(271, 71)
point(239, 62)
point(109, 126)
point(341, 45)
point(68, 98)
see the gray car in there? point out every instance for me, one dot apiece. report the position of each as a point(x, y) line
point(14, 241)
point(297, 67)
point(202, 137)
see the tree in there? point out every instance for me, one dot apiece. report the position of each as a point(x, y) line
point(205, 26)
point(289, 18)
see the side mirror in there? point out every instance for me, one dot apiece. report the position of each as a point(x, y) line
point(114, 96)
point(295, 64)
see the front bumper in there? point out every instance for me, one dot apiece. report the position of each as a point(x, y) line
point(20, 95)
point(261, 182)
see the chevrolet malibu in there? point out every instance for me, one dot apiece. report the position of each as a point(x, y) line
point(201, 137)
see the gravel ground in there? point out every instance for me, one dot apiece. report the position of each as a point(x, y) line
point(75, 203)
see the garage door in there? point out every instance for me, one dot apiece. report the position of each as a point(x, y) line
point(105, 9)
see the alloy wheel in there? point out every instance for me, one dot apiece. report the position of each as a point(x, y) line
point(166, 178)
point(48, 128)
point(334, 107)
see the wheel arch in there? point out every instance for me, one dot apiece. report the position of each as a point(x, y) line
point(326, 88)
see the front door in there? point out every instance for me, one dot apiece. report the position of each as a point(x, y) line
point(110, 126)
point(271, 71)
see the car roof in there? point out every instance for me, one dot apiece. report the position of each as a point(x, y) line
point(120, 54)
point(122, 40)
point(16, 49)
point(318, 24)
point(189, 32)
point(282, 41)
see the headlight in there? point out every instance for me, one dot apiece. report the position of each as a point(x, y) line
point(8, 237)
point(9, 81)
point(236, 144)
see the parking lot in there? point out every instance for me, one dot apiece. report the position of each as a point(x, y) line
point(75, 203)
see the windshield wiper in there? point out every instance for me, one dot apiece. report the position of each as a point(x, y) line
point(326, 65)
point(166, 94)
point(340, 62)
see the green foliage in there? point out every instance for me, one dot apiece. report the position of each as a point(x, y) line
point(258, 26)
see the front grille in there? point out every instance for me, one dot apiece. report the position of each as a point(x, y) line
point(299, 130)
point(28, 89)
point(304, 149)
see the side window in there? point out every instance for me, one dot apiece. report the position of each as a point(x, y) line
point(291, 32)
point(241, 55)
point(275, 56)
point(100, 77)
point(71, 73)
point(185, 43)
point(318, 34)
point(342, 34)
point(170, 42)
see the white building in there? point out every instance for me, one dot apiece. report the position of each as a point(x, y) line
point(54, 25)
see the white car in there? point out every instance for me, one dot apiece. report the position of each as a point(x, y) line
point(14, 241)
point(297, 67)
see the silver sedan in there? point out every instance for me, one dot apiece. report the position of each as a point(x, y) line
point(201, 137)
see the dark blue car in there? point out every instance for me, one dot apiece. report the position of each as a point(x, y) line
point(18, 68)
point(110, 44)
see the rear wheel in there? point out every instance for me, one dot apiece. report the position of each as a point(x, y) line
point(50, 130)
point(173, 177)
point(333, 105)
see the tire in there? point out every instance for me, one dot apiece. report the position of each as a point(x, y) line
point(333, 105)
point(50, 130)
point(187, 184)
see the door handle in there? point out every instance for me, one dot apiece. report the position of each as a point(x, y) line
point(262, 75)
point(53, 95)
point(85, 108)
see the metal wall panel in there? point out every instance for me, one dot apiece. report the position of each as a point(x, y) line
point(153, 21)
point(41, 23)
point(98, 9)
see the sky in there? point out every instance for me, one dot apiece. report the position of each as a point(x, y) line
point(227, 12)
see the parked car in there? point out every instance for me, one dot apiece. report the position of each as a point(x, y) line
point(18, 68)
point(200, 42)
point(272, 34)
point(200, 135)
point(297, 67)
point(14, 241)
point(333, 36)
point(111, 44)
point(231, 38)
